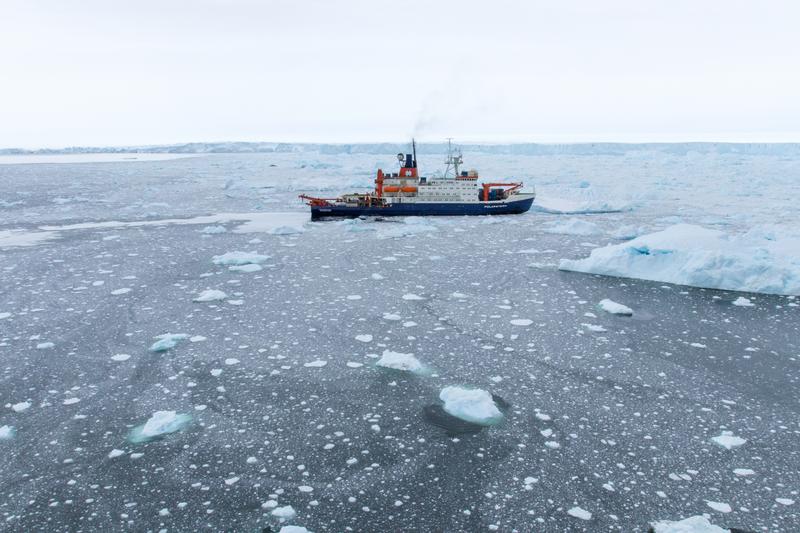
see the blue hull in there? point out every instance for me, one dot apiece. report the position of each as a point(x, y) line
point(423, 209)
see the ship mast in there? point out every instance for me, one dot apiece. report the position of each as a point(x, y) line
point(453, 159)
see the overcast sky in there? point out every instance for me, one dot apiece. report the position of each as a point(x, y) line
point(153, 72)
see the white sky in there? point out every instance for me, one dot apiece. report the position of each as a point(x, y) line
point(88, 72)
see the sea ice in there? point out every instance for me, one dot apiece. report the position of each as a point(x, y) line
point(210, 295)
point(693, 524)
point(471, 405)
point(250, 267)
point(160, 423)
point(213, 230)
point(573, 226)
point(7, 432)
point(399, 361)
point(286, 512)
point(578, 512)
point(167, 341)
point(238, 259)
point(719, 506)
point(756, 261)
point(741, 301)
point(610, 306)
point(728, 440)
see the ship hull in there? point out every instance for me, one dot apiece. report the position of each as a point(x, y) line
point(509, 207)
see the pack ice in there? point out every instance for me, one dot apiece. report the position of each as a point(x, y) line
point(471, 405)
point(763, 260)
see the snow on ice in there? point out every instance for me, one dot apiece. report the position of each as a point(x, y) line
point(471, 405)
point(756, 261)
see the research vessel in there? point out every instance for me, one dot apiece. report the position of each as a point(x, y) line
point(406, 193)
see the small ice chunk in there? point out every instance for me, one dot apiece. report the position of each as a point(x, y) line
point(574, 226)
point(577, 512)
point(399, 361)
point(4, 315)
point(230, 361)
point(286, 512)
point(294, 529)
point(319, 363)
point(785, 501)
point(44, 345)
point(21, 406)
point(251, 267)
point(124, 290)
point(610, 306)
point(719, 506)
point(391, 316)
point(364, 338)
point(693, 524)
point(471, 405)
point(167, 341)
point(728, 440)
point(162, 423)
point(7, 432)
point(238, 259)
point(411, 297)
point(231, 480)
point(741, 301)
point(521, 322)
point(120, 357)
point(352, 364)
point(115, 453)
point(210, 295)
point(743, 472)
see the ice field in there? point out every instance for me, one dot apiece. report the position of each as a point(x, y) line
point(182, 350)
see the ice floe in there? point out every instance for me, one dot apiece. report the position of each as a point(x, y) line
point(728, 440)
point(160, 423)
point(238, 259)
point(471, 405)
point(579, 512)
point(7, 432)
point(364, 338)
point(573, 226)
point(719, 506)
point(693, 524)
point(741, 301)
point(120, 357)
point(521, 322)
point(286, 512)
point(167, 341)
point(399, 361)
point(756, 261)
point(610, 306)
point(210, 295)
point(119, 292)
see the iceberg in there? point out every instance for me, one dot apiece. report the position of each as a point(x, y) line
point(471, 405)
point(238, 259)
point(167, 341)
point(684, 254)
point(160, 423)
point(693, 524)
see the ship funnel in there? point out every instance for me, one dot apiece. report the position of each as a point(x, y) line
point(409, 161)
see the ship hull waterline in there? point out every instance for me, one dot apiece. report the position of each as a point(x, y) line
point(512, 207)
